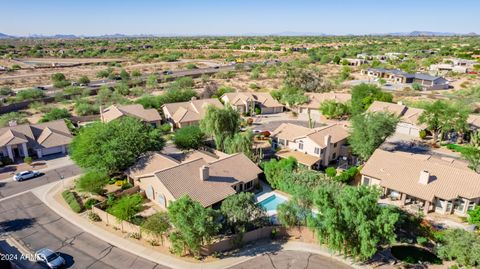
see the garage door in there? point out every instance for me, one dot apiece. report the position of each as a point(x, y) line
point(408, 130)
point(53, 150)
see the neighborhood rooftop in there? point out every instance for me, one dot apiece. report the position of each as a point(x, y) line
point(447, 178)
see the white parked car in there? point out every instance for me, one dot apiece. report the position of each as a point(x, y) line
point(50, 258)
point(25, 175)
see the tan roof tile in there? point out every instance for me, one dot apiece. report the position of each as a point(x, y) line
point(315, 99)
point(400, 171)
point(378, 106)
point(136, 110)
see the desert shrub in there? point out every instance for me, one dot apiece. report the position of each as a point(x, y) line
point(72, 201)
point(90, 203)
point(94, 216)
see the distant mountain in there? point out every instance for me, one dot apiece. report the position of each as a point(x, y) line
point(285, 33)
point(2, 35)
point(426, 33)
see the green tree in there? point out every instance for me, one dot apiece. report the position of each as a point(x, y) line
point(472, 155)
point(240, 210)
point(124, 75)
point(331, 172)
point(220, 123)
point(189, 137)
point(59, 80)
point(20, 118)
point(126, 207)
point(441, 117)
point(292, 214)
point(240, 142)
point(369, 130)
point(363, 96)
point(461, 246)
point(56, 114)
point(307, 80)
point(29, 94)
point(152, 82)
point(474, 215)
point(276, 171)
point(290, 96)
point(194, 225)
point(92, 182)
point(334, 110)
point(157, 224)
point(84, 80)
point(350, 220)
point(114, 146)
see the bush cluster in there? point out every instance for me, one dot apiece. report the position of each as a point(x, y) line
point(72, 201)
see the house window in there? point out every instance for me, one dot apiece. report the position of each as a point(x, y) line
point(300, 145)
point(366, 181)
point(471, 206)
point(334, 155)
point(281, 142)
point(459, 205)
point(248, 185)
point(335, 145)
point(316, 151)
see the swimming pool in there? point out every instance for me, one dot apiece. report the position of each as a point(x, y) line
point(272, 202)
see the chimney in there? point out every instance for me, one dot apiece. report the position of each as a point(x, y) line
point(424, 177)
point(326, 158)
point(204, 172)
point(12, 123)
point(327, 139)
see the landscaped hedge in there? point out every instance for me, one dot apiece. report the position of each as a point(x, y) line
point(72, 201)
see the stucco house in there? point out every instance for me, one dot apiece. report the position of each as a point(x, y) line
point(314, 101)
point(429, 183)
point(314, 148)
point(150, 116)
point(41, 139)
point(427, 81)
point(188, 113)
point(245, 102)
point(204, 178)
point(408, 124)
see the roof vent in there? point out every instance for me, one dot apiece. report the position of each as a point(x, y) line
point(424, 177)
point(12, 123)
point(204, 172)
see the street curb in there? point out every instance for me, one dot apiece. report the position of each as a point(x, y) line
point(155, 256)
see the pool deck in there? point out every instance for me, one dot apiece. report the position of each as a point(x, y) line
point(266, 193)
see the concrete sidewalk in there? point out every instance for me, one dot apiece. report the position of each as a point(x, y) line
point(46, 194)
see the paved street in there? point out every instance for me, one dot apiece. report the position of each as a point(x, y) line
point(9, 187)
point(291, 259)
point(30, 221)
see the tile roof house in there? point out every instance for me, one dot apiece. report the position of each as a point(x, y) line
point(316, 99)
point(245, 101)
point(113, 112)
point(408, 124)
point(187, 113)
point(42, 139)
point(311, 147)
point(442, 185)
point(427, 81)
point(204, 179)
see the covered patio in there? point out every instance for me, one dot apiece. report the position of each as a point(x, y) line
point(309, 161)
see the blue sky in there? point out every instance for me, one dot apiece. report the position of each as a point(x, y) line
point(98, 17)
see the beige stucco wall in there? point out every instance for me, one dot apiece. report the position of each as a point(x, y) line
point(158, 189)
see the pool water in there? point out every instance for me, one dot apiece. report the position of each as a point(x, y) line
point(272, 202)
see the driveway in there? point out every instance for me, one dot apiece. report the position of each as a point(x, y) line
point(9, 187)
point(35, 225)
point(291, 259)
